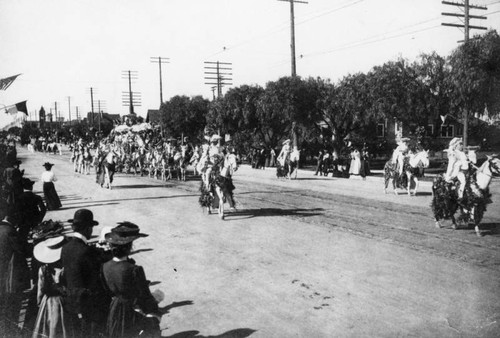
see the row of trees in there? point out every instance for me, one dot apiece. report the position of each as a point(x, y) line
point(323, 113)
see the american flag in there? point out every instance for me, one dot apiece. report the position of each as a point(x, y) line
point(5, 83)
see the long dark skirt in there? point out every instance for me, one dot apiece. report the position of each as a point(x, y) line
point(51, 198)
point(124, 321)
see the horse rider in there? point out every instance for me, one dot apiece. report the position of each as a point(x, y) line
point(214, 152)
point(400, 153)
point(284, 153)
point(458, 164)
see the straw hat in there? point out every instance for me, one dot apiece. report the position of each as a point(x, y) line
point(49, 250)
point(48, 165)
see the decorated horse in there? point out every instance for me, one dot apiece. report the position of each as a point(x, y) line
point(288, 166)
point(413, 169)
point(86, 160)
point(108, 168)
point(180, 160)
point(220, 185)
point(445, 201)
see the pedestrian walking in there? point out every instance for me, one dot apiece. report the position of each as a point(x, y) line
point(49, 191)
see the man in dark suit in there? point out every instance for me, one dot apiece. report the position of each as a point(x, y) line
point(14, 276)
point(13, 185)
point(32, 209)
point(86, 305)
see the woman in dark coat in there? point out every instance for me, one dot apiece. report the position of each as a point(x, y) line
point(49, 191)
point(133, 308)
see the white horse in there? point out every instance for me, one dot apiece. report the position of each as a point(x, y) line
point(223, 186)
point(413, 169)
point(445, 201)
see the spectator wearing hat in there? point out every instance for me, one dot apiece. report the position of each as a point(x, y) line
point(86, 304)
point(51, 289)
point(14, 276)
point(12, 176)
point(133, 308)
point(33, 209)
point(49, 190)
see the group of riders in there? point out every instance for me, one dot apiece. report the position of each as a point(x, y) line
point(140, 153)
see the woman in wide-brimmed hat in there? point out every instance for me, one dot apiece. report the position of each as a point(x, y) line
point(133, 308)
point(50, 319)
point(49, 191)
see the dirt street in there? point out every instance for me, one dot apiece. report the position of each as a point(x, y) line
point(314, 257)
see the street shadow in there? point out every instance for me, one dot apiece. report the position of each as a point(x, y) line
point(324, 178)
point(236, 333)
point(137, 186)
point(490, 229)
point(167, 308)
point(140, 250)
point(266, 212)
point(423, 193)
point(86, 206)
point(148, 198)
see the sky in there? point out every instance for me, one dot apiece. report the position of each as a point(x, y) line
point(63, 48)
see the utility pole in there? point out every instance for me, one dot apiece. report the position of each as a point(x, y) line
point(221, 75)
point(91, 122)
point(99, 112)
point(292, 32)
point(134, 98)
point(159, 61)
point(467, 27)
point(55, 112)
point(69, 110)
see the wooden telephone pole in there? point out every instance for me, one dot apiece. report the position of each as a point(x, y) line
point(292, 33)
point(466, 7)
point(159, 60)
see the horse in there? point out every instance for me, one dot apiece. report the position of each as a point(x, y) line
point(180, 162)
point(413, 168)
point(289, 165)
point(109, 165)
point(445, 202)
point(86, 161)
point(221, 185)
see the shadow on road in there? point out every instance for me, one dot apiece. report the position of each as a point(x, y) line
point(236, 333)
point(137, 186)
point(263, 212)
point(490, 229)
point(85, 206)
point(166, 309)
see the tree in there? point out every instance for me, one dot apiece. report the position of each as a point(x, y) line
point(475, 76)
point(183, 115)
point(345, 108)
point(287, 106)
point(236, 114)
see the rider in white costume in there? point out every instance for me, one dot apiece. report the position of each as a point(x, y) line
point(212, 153)
point(458, 164)
point(285, 151)
point(399, 154)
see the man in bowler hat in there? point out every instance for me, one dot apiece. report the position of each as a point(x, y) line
point(86, 304)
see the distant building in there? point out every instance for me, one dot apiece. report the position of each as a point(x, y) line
point(153, 116)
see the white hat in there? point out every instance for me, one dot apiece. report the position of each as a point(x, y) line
point(454, 142)
point(286, 141)
point(215, 137)
point(49, 251)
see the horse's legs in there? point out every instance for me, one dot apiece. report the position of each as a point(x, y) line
point(408, 179)
point(415, 179)
point(220, 194)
